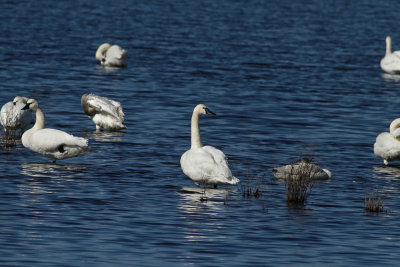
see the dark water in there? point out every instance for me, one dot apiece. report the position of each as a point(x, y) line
point(285, 78)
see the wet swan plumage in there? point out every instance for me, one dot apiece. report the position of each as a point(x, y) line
point(105, 113)
point(51, 143)
point(205, 164)
point(387, 144)
point(112, 55)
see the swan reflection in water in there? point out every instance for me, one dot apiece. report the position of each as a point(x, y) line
point(387, 172)
point(213, 198)
point(51, 170)
point(391, 77)
point(105, 136)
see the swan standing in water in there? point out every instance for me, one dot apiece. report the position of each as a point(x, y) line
point(304, 167)
point(387, 145)
point(390, 63)
point(205, 164)
point(12, 117)
point(51, 143)
point(112, 55)
point(105, 113)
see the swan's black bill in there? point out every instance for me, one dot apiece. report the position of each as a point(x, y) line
point(26, 106)
point(209, 112)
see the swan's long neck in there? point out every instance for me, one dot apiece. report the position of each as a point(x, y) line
point(394, 125)
point(388, 45)
point(39, 124)
point(195, 140)
point(101, 50)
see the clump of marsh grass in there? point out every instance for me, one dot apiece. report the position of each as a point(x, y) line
point(373, 202)
point(10, 138)
point(299, 182)
point(254, 186)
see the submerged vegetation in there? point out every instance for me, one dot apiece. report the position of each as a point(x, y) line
point(373, 202)
point(10, 138)
point(254, 186)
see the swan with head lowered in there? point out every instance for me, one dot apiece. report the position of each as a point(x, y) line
point(105, 113)
point(297, 170)
point(390, 63)
point(387, 144)
point(205, 164)
point(112, 55)
point(51, 143)
point(13, 118)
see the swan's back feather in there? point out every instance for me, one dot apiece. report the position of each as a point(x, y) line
point(105, 106)
point(207, 165)
point(391, 63)
point(296, 169)
point(387, 147)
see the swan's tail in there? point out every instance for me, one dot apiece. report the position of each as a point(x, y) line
point(234, 180)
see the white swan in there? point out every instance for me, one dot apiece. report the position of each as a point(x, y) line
point(112, 55)
point(13, 117)
point(105, 113)
point(390, 63)
point(304, 167)
point(205, 164)
point(51, 143)
point(387, 144)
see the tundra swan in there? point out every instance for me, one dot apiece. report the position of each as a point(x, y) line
point(390, 63)
point(205, 164)
point(387, 145)
point(112, 55)
point(13, 117)
point(51, 143)
point(304, 167)
point(105, 113)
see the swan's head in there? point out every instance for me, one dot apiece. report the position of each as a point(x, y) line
point(101, 51)
point(31, 104)
point(201, 109)
point(20, 99)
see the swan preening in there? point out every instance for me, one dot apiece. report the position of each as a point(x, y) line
point(51, 143)
point(298, 169)
point(12, 117)
point(112, 55)
point(105, 113)
point(205, 164)
point(387, 144)
point(390, 63)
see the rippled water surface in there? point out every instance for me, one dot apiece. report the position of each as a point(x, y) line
point(285, 78)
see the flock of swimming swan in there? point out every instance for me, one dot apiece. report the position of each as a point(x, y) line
point(203, 164)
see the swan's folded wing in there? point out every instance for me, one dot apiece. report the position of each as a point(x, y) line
point(198, 164)
point(221, 166)
point(103, 105)
point(51, 139)
point(392, 61)
point(387, 147)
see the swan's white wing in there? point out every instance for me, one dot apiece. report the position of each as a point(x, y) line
point(207, 165)
point(116, 56)
point(387, 147)
point(391, 63)
point(56, 144)
point(105, 106)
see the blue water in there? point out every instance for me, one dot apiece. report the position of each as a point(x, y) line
point(285, 78)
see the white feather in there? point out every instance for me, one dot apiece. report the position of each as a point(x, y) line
point(13, 117)
point(112, 56)
point(390, 63)
point(387, 144)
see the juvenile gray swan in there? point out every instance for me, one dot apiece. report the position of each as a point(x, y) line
point(303, 167)
point(112, 55)
point(205, 164)
point(51, 143)
point(105, 113)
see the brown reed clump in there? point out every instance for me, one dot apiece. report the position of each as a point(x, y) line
point(299, 183)
point(254, 186)
point(9, 139)
point(373, 202)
